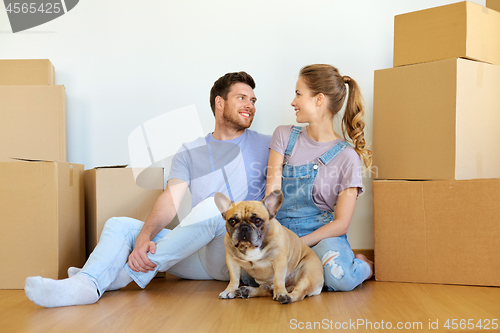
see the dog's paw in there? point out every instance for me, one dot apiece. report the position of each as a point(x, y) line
point(243, 292)
point(282, 298)
point(227, 294)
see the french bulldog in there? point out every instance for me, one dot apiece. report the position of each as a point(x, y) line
point(283, 266)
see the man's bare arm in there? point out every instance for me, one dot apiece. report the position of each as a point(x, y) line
point(161, 215)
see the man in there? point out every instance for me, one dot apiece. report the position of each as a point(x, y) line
point(231, 160)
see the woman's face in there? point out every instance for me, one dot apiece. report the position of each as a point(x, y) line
point(304, 103)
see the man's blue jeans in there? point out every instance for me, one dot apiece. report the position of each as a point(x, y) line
point(192, 250)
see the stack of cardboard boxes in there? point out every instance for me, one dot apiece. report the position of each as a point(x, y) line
point(42, 201)
point(436, 149)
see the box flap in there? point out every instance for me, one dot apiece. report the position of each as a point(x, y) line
point(111, 166)
point(493, 4)
point(30, 160)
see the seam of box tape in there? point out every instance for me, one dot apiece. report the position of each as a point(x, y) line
point(71, 175)
point(425, 228)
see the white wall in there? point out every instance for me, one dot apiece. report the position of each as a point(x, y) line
point(124, 62)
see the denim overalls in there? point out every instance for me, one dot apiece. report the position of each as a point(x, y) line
point(300, 214)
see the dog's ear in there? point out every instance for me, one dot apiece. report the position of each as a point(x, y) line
point(223, 203)
point(273, 202)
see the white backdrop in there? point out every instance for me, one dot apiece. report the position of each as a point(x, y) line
point(125, 62)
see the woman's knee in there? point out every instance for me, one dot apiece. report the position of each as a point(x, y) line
point(338, 277)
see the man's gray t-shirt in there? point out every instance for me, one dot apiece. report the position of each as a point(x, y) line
point(235, 167)
point(342, 172)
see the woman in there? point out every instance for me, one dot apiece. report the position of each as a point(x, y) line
point(319, 172)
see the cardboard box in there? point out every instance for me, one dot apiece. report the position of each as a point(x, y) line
point(493, 4)
point(27, 72)
point(113, 192)
point(33, 122)
point(437, 231)
point(42, 219)
point(459, 30)
point(438, 120)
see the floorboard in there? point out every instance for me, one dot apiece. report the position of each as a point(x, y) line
point(171, 304)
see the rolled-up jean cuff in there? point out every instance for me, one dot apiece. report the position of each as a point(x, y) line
point(100, 290)
point(142, 279)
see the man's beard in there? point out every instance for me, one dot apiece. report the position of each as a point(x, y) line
point(234, 121)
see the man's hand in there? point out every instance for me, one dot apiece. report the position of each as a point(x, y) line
point(138, 259)
point(161, 215)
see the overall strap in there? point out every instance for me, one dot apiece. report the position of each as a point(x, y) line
point(334, 151)
point(292, 140)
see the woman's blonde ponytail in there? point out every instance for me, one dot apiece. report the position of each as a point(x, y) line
point(352, 123)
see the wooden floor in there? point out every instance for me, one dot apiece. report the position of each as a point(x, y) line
point(171, 304)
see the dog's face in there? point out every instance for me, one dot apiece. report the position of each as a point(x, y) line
point(247, 222)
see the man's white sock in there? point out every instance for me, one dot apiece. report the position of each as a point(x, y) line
point(76, 290)
point(121, 281)
point(73, 270)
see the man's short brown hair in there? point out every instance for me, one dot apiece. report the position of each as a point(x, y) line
point(222, 86)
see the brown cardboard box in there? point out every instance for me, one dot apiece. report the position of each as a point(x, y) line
point(459, 30)
point(42, 217)
point(33, 122)
point(438, 120)
point(493, 4)
point(113, 192)
point(437, 231)
point(27, 72)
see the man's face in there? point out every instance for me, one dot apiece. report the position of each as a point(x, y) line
point(239, 108)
